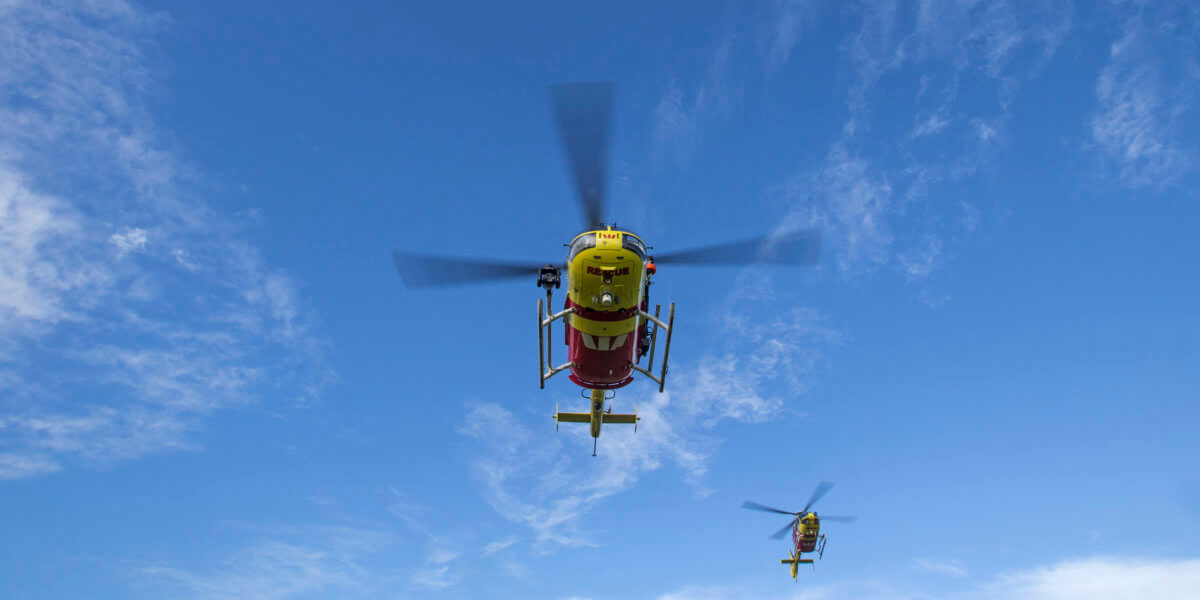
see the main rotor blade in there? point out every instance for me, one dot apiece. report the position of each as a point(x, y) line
point(839, 519)
point(757, 506)
point(786, 528)
point(822, 489)
point(797, 247)
point(582, 112)
point(422, 270)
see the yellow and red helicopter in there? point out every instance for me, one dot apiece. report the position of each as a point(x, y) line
point(805, 527)
point(608, 327)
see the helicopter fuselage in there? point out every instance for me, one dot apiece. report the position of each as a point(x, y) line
point(606, 286)
point(805, 533)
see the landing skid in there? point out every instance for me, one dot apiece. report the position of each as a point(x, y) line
point(546, 370)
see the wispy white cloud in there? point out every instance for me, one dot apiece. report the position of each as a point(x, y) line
point(499, 545)
point(132, 239)
point(930, 126)
point(785, 22)
point(679, 118)
point(1101, 578)
point(383, 558)
point(869, 187)
point(940, 567)
point(932, 299)
point(987, 34)
point(129, 309)
point(861, 590)
point(920, 260)
point(699, 592)
point(782, 347)
point(516, 569)
point(1148, 86)
point(1097, 578)
point(435, 576)
point(36, 289)
point(986, 133)
point(850, 201)
point(330, 562)
point(442, 550)
point(436, 573)
point(23, 464)
point(942, 47)
point(533, 476)
point(181, 257)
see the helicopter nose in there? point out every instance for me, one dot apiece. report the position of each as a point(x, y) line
point(606, 299)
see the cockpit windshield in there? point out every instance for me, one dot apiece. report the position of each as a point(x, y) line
point(586, 241)
point(634, 245)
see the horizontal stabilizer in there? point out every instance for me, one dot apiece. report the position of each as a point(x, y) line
point(626, 419)
point(573, 417)
point(562, 417)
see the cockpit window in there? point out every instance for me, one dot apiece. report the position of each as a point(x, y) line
point(586, 241)
point(634, 245)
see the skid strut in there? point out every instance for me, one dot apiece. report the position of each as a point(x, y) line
point(661, 380)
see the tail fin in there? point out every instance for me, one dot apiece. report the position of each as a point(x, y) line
point(795, 562)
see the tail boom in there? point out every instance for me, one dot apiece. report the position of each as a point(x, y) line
point(794, 562)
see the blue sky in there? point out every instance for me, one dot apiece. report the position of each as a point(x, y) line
point(214, 385)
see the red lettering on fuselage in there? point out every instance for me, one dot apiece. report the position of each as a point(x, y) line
point(602, 271)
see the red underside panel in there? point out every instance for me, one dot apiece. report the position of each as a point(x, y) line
point(597, 385)
point(600, 369)
point(804, 544)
